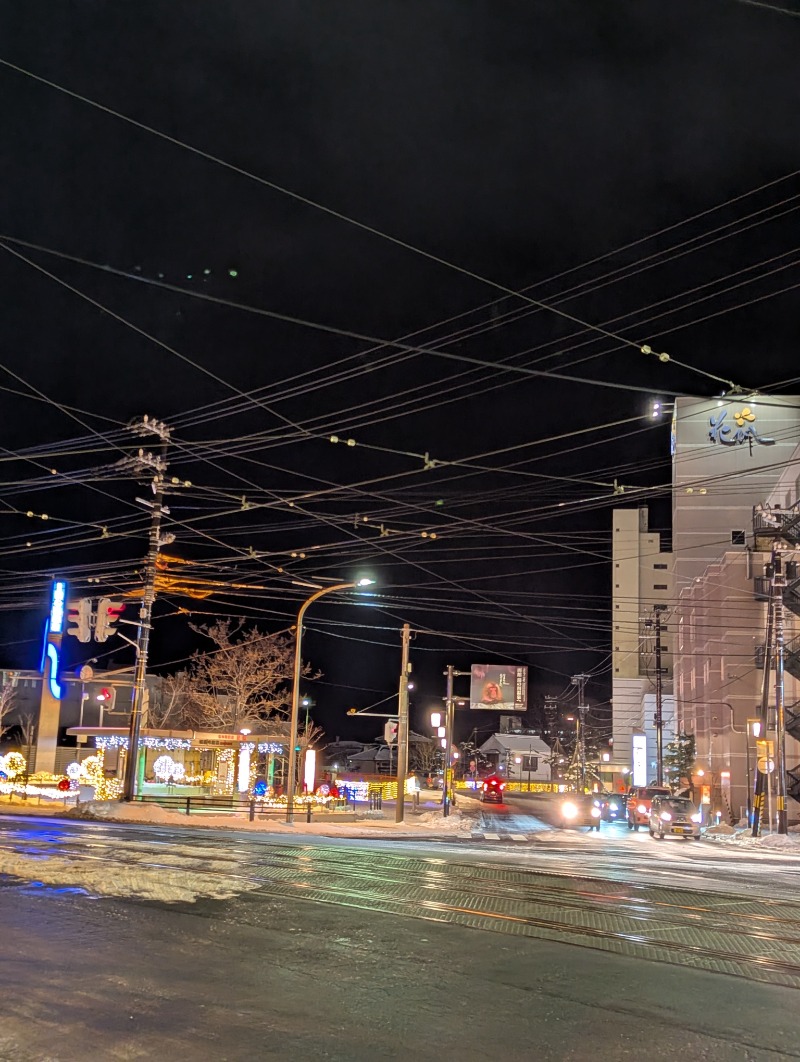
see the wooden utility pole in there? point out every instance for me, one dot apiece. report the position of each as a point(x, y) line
point(402, 726)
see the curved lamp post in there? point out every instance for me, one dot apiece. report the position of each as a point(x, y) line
point(298, 667)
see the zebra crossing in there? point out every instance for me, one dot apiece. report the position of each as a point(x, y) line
point(502, 837)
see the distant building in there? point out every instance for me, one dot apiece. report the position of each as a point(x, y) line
point(518, 757)
point(733, 460)
point(642, 580)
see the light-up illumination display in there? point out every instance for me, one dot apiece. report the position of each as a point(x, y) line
point(639, 759)
point(56, 688)
point(270, 746)
point(58, 604)
point(310, 770)
point(243, 779)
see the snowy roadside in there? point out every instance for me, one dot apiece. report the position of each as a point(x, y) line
point(742, 838)
point(185, 871)
point(425, 823)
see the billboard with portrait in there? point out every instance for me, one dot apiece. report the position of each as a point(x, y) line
point(498, 687)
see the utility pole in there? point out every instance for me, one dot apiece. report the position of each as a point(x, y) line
point(158, 465)
point(780, 707)
point(762, 781)
point(402, 726)
point(580, 735)
point(659, 701)
point(449, 714)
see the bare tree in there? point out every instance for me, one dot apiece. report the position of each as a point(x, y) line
point(426, 757)
point(27, 727)
point(173, 706)
point(8, 697)
point(247, 676)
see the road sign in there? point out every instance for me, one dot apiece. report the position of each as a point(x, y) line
point(765, 765)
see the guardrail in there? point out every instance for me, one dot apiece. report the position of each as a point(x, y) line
point(251, 807)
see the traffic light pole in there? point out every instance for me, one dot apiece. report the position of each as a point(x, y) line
point(659, 720)
point(402, 726)
point(159, 466)
point(780, 707)
point(449, 719)
point(762, 777)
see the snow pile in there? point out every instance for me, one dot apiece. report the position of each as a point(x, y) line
point(143, 881)
point(416, 823)
point(722, 830)
point(116, 811)
point(744, 839)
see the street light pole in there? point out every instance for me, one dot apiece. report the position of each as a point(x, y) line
point(298, 668)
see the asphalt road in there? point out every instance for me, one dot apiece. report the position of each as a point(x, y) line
point(569, 947)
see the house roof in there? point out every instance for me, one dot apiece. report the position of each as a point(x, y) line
point(515, 743)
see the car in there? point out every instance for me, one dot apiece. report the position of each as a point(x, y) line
point(613, 807)
point(490, 790)
point(577, 809)
point(676, 816)
point(637, 805)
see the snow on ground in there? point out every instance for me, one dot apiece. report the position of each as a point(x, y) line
point(330, 825)
point(742, 838)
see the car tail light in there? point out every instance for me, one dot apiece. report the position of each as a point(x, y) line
point(502, 785)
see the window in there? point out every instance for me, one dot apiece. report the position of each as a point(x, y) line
point(661, 567)
point(530, 763)
point(738, 538)
point(661, 586)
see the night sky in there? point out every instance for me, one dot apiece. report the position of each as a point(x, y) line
point(270, 224)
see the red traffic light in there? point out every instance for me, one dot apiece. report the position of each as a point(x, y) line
point(104, 695)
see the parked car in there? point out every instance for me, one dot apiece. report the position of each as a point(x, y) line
point(638, 804)
point(676, 816)
point(579, 810)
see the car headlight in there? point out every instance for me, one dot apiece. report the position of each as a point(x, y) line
point(569, 811)
point(596, 812)
point(642, 809)
point(613, 807)
point(665, 815)
point(697, 817)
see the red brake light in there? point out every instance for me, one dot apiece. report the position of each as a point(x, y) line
point(502, 785)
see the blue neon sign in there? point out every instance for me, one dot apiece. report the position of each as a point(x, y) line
point(58, 605)
point(56, 688)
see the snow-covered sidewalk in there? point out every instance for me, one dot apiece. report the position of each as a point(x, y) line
point(424, 823)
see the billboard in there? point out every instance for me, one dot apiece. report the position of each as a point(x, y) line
point(498, 687)
point(639, 758)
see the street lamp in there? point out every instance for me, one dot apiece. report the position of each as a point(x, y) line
point(298, 667)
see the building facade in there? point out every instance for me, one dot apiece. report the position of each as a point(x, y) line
point(735, 499)
point(642, 604)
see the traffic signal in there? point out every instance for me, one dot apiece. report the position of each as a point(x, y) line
point(79, 619)
point(108, 612)
point(390, 733)
point(108, 697)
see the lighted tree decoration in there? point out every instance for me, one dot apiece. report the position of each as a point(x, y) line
point(13, 765)
point(93, 773)
point(164, 767)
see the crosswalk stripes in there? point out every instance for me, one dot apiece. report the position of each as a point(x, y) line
point(518, 838)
